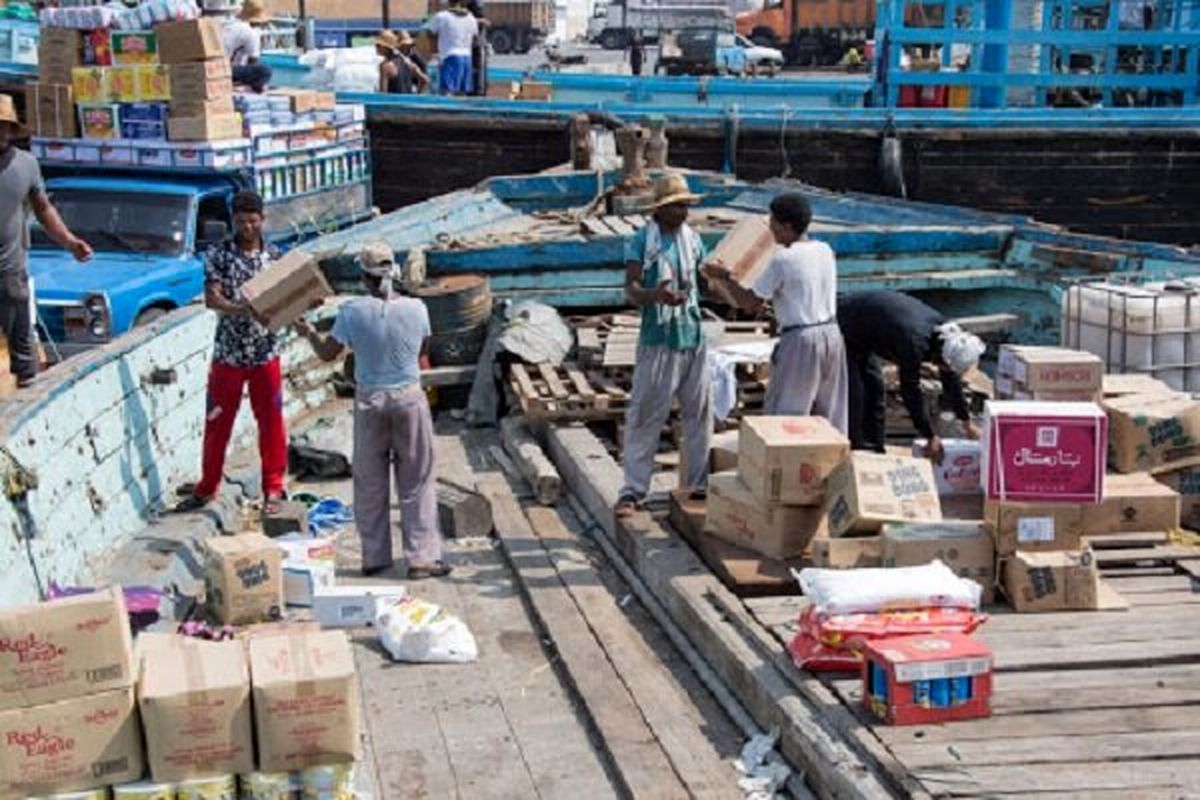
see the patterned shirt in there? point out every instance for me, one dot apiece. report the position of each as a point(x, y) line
point(240, 341)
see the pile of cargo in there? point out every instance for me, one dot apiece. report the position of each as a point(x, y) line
point(276, 711)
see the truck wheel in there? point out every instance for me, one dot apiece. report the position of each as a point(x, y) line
point(612, 40)
point(501, 40)
point(765, 37)
point(150, 315)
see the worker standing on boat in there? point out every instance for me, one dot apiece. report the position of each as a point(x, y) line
point(892, 326)
point(22, 191)
point(393, 427)
point(808, 366)
point(244, 352)
point(242, 42)
point(662, 274)
point(403, 71)
point(456, 29)
point(637, 51)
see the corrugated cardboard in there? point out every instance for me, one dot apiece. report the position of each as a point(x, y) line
point(723, 451)
point(200, 81)
point(1057, 581)
point(959, 472)
point(965, 547)
point(60, 50)
point(1133, 503)
point(50, 109)
point(1056, 369)
point(243, 578)
point(1154, 432)
point(744, 251)
point(1043, 452)
point(282, 292)
point(847, 552)
point(64, 648)
point(1133, 383)
point(194, 698)
point(206, 128)
point(189, 40)
point(1186, 482)
point(305, 700)
point(134, 47)
point(535, 90)
point(736, 515)
point(306, 100)
point(1034, 526)
point(203, 108)
point(81, 743)
point(869, 489)
point(351, 606)
point(787, 459)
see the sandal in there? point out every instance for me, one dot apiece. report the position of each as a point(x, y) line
point(193, 502)
point(438, 569)
point(271, 503)
point(627, 506)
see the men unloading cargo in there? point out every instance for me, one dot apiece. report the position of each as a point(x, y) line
point(808, 366)
point(891, 326)
point(662, 273)
point(456, 29)
point(393, 427)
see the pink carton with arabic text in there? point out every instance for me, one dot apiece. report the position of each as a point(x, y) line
point(1041, 452)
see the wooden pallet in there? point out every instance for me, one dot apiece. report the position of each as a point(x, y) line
point(567, 392)
point(1138, 553)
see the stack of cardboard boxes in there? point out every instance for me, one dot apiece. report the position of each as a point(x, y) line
point(201, 86)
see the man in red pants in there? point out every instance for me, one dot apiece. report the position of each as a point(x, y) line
point(244, 353)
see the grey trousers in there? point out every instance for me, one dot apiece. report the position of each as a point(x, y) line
point(393, 432)
point(17, 314)
point(661, 375)
point(808, 375)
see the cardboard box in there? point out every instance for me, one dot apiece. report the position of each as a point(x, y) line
point(243, 578)
point(194, 698)
point(305, 700)
point(351, 606)
point(847, 552)
point(1153, 432)
point(100, 120)
point(134, 47)
point(189, 40)
point(787, 459)
point(965, 547)
point(535, 90)
point(60, 50)
point(723, 451)
point(960, 470)
point(1186, 482)
point(74, 744)
point(301, 582)
point(745, 250)
point(97, 48)
point(927, 679)
point(869, 489)
point(63, 648)
point(736, 515)
point(153, 82)
point(1034, 526)
point(92, 84)
point(50, 109)
point(1054, 369)
point(1056, 581)
point(212, 127)
point(286, 289)
point(301, 101)
point(1133, 383)
point(123, 84)
point(1133, 503)
point(1044, 452)
point(503, 90)
point(203, 108)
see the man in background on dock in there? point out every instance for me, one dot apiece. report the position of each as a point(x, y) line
point(242, 43)
point(662, 274)
point(456, 29)
point(403, 71)
point(393, 427)
point(637, 51)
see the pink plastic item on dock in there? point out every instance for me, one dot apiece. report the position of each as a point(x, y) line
point(1044, 452)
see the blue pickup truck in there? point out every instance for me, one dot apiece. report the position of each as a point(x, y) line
point(149, 230)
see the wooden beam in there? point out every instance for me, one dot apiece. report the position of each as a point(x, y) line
point(530, 460)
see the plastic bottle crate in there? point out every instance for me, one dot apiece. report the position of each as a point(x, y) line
point(927, 679)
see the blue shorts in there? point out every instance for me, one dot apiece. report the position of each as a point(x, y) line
point(454, 75)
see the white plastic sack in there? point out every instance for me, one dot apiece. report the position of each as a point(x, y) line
point(355, 78)
point(866, 591)
point(414, 630)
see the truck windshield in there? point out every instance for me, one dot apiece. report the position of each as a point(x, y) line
point(124, 222)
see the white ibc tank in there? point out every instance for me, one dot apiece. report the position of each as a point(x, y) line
point(1152, 328)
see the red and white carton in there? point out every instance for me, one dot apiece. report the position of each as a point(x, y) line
point(959, 472)
point(1044, 452)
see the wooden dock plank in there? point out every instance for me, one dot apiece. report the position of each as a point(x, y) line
point(1148, 555)
point(1180, 777)
point(1064, 723)
point(1025, 751)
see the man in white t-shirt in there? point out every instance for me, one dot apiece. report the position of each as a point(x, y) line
point(456, 29)
point(808, 367)
point(242, 42)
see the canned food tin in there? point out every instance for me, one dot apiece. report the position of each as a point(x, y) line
point(332, 782)
point(270, 786)
point(220, 788)
point(144, 790)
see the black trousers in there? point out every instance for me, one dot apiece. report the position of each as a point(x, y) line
point(256, 76)
point(868, 400)
point(16, 321)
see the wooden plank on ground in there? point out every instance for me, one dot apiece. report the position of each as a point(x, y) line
point(1082, 779)
point(1101, 747)
point(530, 460)
point(1146, 555)
point(639, 762)
point(669, 714)
point(1116, 655)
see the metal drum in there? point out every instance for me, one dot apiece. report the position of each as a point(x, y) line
point(459, 307)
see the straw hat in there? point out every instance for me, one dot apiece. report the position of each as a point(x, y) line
point(673, 188)
point(8, 113)
point(378, 259)
point(254, 12)
point(404, 38)
point(387, 40)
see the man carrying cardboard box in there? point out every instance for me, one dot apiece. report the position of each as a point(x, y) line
point(244, 352)
point(393, 428)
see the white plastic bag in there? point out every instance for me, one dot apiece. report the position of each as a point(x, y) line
point(414, 630)
point(866, 591)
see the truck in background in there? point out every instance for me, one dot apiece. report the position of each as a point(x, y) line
point(613, 21)
point(811, 33)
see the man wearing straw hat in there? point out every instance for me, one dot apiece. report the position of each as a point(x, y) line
point(662, 273)
point(403, 71)
point(243, 45)
point(22, 190)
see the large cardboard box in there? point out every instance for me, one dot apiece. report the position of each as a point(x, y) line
point(205, 128)
point(535, 90)
point(960, 470)
point(74, 744)
point(745, 251)
point(1032, 370)
point(1133, 383)
point(203, 108)
point(1154, 432)
point(134, 47)
point(1061, 580)
point(847, 552)
point(736, 515)
point(92, 85)
point(1042, 452)
point(63, 648)
point(195, 703)
point(1133, 503)
point(869, 489)
point(189, 40)
point(243, 578)
point(287, 288)
point(965, 547)
point(60, 50)
point(200, 81)
point(50, 109)
point(305, 700)
point(723, 451)
point(787, 459)
point(1186, 482)
point(1034, 526)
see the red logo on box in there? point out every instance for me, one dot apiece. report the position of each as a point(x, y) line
point(39, 743)
point(30, 649)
